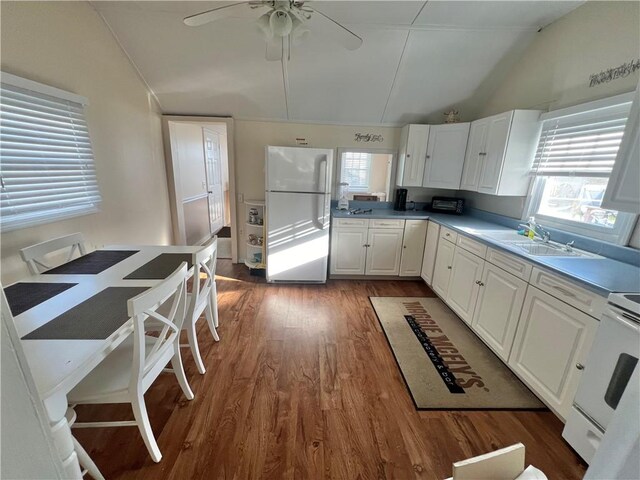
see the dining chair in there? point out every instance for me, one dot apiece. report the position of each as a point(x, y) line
point(128, 372)
point(34, 256)
point(201, 299)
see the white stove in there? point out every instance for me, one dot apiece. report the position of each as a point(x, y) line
point(607, 370)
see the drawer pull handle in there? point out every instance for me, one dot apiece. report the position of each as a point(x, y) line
point(449, 267)
point(447, 235)
point(564, 291)
point(579, 366)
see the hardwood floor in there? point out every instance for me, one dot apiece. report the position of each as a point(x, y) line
point(304, 385)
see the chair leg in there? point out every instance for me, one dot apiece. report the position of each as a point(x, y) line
point(85, 461)
point(142, 419)
point(193, 344)
point(211, 321)
point(214, 303)
point(176, 364)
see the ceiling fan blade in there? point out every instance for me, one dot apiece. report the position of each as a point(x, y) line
point(343, 35)
point(274, 49)
point(240, 9)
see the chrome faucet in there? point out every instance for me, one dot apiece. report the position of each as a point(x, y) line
point(569, 246)
point(538, 231)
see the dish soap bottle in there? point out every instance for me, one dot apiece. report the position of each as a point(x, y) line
point(531, 233)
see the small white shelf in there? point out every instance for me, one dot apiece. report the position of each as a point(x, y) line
point(256, 203)
point(254, 225)
point(254, 246)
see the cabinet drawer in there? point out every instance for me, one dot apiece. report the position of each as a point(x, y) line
point(510, 263)
point(386, 223)
point(472, 246)
point(567, 291)
point(448, 234)
point(350, 222)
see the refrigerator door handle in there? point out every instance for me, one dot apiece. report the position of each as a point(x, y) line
point(315, 219)
point(322, 184)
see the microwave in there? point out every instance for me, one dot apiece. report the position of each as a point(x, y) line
point(447, 205)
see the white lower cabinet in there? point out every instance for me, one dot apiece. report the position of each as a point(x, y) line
point(442, 268)
point(466, 272)
point(415, 232)
point(348, 251)
point(550, 347)
point(498, 308)
point(384, 251)
point(430, 249)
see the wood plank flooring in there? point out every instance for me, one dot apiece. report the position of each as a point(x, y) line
point(304, 385)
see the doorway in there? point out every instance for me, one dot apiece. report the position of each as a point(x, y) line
point(199, 157)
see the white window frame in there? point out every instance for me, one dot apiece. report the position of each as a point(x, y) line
point(625, 222)
point(39, 217)
point(359, 189)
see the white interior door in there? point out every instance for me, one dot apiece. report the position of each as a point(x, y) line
point(215, 186)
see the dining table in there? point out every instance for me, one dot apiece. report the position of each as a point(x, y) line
point(71, 317)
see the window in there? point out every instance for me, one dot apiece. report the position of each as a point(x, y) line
point(575, 156)
point(356, 170)
point(47, 170)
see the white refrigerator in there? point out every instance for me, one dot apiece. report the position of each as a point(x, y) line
point(298, 202)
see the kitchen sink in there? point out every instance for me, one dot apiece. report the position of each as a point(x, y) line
point(537, 248)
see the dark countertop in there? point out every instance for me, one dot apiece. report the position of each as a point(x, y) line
point(600, 275)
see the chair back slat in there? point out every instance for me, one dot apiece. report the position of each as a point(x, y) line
point(145, 307)
point(204, 261)
point(34, 254)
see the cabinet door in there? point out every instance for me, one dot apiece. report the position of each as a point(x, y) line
point(348, 251)
point(474, 155)
point(623, 189)
point(442, 268)
point(445, 155)
point(551, 339)
point(466, 273)
point(430, 249)
point(415, 233)
point(498, 308)
point(384, 251)
point(496, 144)
point(411, 167)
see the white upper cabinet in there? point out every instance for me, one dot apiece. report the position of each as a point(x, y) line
point(412, 154)
point(623, 189)
point(473, 157)
point(445, 155)
point(500, 154)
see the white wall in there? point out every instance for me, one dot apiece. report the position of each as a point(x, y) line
point(68, 46)
point(251, 138)
point(553, 72)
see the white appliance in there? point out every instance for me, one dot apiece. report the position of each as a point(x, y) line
point(607, 371)
point(298, 202)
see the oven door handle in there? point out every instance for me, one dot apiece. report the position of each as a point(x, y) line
point(619, 379)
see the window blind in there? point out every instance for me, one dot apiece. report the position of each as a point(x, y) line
point(47, 168)
point(356, 167)
point(583, 144)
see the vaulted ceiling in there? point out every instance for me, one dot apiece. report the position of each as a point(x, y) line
point(417, 59)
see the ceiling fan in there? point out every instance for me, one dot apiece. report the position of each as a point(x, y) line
point(282, 22)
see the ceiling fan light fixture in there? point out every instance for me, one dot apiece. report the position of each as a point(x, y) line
point(299, 32)
point(264, 26)
point(280, 23)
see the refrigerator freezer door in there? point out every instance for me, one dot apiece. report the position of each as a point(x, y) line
point(292, 169)
point(297, 237)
